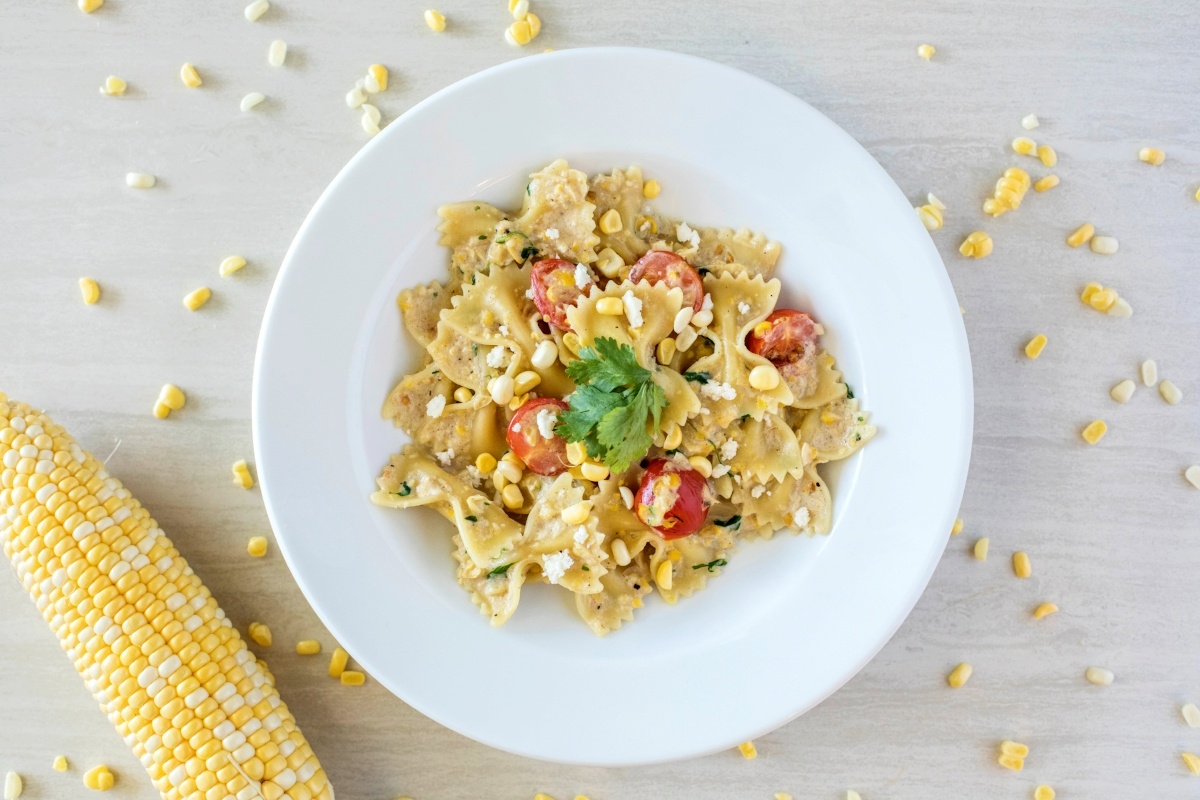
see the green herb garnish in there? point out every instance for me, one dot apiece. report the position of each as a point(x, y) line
point(504, 237)
point(697, 377)
point(405, 490)
point(585, 568)
point(849, 392)
point(733, 522)
point(471, 518)
point(613, 406)
point(704, 271)
point(528, 252)
point(719, 562)
point(482, 236)
point(500, 570)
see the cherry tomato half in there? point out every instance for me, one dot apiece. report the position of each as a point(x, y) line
point(662, 266)
point(545, 456)
point(554, 288)
point(783, 337)
point(673, 499)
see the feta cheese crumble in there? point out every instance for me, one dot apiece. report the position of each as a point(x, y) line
point(757, 491)
point(801, 517)
point(474, 476)
point(581, 535)
point(435, 406)
point(445, 457)
point(504, 330)
point(684, 233)
point(556, 565)
point(551, 233)
point(583, 276)
point(495, 356)
point(729, 450)
point(715, 390)
point(743, 307)
point(706, 304)
point(546, 420)
point(633, 308)
point(720, 470)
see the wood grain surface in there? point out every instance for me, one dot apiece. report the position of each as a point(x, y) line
point(1112, 529)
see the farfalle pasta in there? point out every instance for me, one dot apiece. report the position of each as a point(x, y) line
point(610, 399)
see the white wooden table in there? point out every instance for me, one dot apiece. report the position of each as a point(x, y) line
point(1112, 529)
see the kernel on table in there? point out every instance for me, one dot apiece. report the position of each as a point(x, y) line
point(190, 76)
point(1045, 610)
point(113, 86)
point(436, 20)
point(13, 786)
point(195, 300)
point(748, 750)
point(1035, 346)
point(90, 291)
point(1043, 792)
point(257, 546)
point(976, 245)
point(1021, 566)
point(1095, 431)
point(99, 778)
point(241, 474)
point(959, 676)
point(170, 398)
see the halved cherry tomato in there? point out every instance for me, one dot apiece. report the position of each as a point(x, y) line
point(673, 499)
point(663, 266)
point(783, 337)
point(554, 288)
point(545, 456)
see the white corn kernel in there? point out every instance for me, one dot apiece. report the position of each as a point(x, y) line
point(1099, 676)
point(764, 377)
point(1149, 372)
point(1152, 156)
point(435, 20)
point(231, 265)
point(13, 786)
point(1030, 121)
point(627, 496)
point(369, 125)
point(933, 201)
point(190, 77)
point(1192, 475)
point(502, 390)
point(256, 10)
point(356, 97)
point(1104, 245)
point(90, 290)
point(1170, 392)
point(620, 552)
point(277, 53)
point(508, 470)
point(372, 112)
point(930, 217)
point(593, 472)
point(578, 513)
point(1123, 391)
point(1120, 308)
point(518, 8)
point(682, 318)
point(926, 51)
point(1191, 715)
point(113, 86)
point(544, 355)
point(702, 319)
point(140, 180)
point(192, 301)
point(251, 100)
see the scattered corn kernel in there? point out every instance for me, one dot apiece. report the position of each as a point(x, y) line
point(1104, 245)
point(256, 9)
point(99, 779)
point(1099, 676)
point(436, 20)
point(351, 677)
point(1024, 145)
point(764, 377)
point(610, 221)
point(1045, 610)
point(172, 397)
point(241, 474)
point(664, 576)
point(1149, 372)
point(673, 438)
point(1045, 184)
point(259, 634)
point(959, 675)
point(1170, 392)
point(308, 647)
point(193, 301)
point(981, 548)
point(60, 764)
point(1122, 391)
point(257, 546)
point(251, 100)
point(277, 53)
point(1192, 475)
point(701, 465)
point(140, 180)
point(88, 6)
point(1095, 431)
point(463, 395)
point(1120, 308)
point(378, 74)
point(1152, 156)
point(544, 355)
point(1191, 715)
point(620, 553)
point(13, 786)
point(976, 245)
point(338, 662)
point(576, 453)
point(518, 8)
point(593, 472)
point(1036, 345)
point(1030, 121)
point(931, 217)
point(852, 795)
point(748, 750)
point(957, 527)
point(665, 350)
point(926, 51)
point(502, 390)
point(651, 189)
point(610, 306)
point(782, 796)
point(1015, 763)
point(1047, 155)
point(1043, 792)
point(485, 463)
point(1192, 761)
point(113, 86)
point(1021, 566)
point(90, 290)
point(578, 513)
point(190, 77)
point(526, 381)
point(512, 497)
point(356, 97)
point(1082, 235)
point(231, 265)
point(1011, 748)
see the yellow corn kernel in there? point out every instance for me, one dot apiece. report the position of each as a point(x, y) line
point(959, 675)
point(593, 472)
point(308, 647)
point(664, 575)
point(701, 465)
point(1047, 155)
point(610, 306)
point(512, 497)
point(782, 796)
point(1192, 761)
point(192, 301)
point(90, 290)
point(535, 24)
point(1081, 235)
point(650, 189)
point(542, 796)
point(981, 549)
point(976, 245)
point(259, 634)
point(463, 395)
point(1011, 748)
point(828, 418)
point(957, 527)
point(1095, 431)
point(99, 778)
point(379, 74)
point(1045, 610)
point(241, 474)
point(1152, 156)
point(518, 8)
point(485, 463)
point(113, 86)
point(578, 513)
point(1043, 792)
point(231, 265)
point(990, 206)
point(60, 764)
point(610, 221)
point(526, 381)
point(338, 662)
point(161, 410)
point(436, 20)
point(190, 77)
point(1020, 564)
point(1045, 184)
point(88, 6)
point(1036, 345)
point(352, 677)
point(674, 438)
point(665, 351)
point(172, 397)
point(1024, 145)
point(748, 750)
point(1103, 300)
point(257, 546)
point(764, 377)
point(926, 51)
point(576, 453)
point(931, 217)
point(519, 33)
point(1015, 763)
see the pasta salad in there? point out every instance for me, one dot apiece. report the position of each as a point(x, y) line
point(610, 399)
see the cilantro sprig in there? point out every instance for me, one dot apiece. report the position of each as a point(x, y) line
point(615, 405)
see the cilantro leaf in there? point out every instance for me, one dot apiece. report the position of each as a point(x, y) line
point(500, 570)
point(697, 377)
point(606, 365)
point(719, 562)
point(588, 405)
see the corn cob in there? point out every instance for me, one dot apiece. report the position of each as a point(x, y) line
point(153, 647)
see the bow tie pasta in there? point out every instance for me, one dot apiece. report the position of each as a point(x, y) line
point(610, 399)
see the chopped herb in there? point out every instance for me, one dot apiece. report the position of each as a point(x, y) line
point(849, 392)
point(504, 237)
point(858, 437)
point(500, 570)
point(529, 252)
point(436, 372)
point(745, 417)
point(477, 207)
point(719, 562)
point(697, 377)
point(474, 348)
point(473, 274)
point(405, 490)
point(671, 452)
point(482, 236)
point(527, 188)
point(585, 568)
point(704, 271)
point(734, 522)
point(471, 518)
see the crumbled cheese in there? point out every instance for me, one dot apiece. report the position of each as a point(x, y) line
point(546, 420)
point(556, 565)
point(633, 308)
point(446, 456)
point(516, 428)
point(706, 304)
point(743, 307)
point(729, 450)
point(496, 356)
point(504, 330)
point(757, 491)
point(529, 293)
point(583, 276)
point(720, 470)
point(801, 517)
point(435, 406)
point(581, 535)
point(684, 233)
point(551, 233)
point(474, 476)
point(716, 390)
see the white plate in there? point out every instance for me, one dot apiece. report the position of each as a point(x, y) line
point(790, 620)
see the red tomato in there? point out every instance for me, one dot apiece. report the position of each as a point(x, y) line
point(554, 288)
point(662, 266)
point(783, 337)
point(673, 499)
point(543, 456)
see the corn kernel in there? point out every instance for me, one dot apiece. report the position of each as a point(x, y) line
point(1021, 565)
point(1081, 235)
point(88, 6)
point(379, 74)
point(113, 86)
point(256, 9)
point(1120, 308)
point(610, 306)
point(1102, 299)
point(664, 576)
point(665, 351)
point(518, 8)
point(1152, 156)
point(1170, 392)
point(544, 355)
point(701, 465)
point(1043, 792)
point(257, 546)
point(674, 438)
point(61, 765)
point(90, 290)
point(1047, 155)
point(610, 221)
point(959, 675)
point(931, 217)
point(957, 527)
point(1035, 346)
point(463, 395)
point(981, 549)
point(526, 381)
point(337, 662)
point(764, 377)
point(1045, 610)
point(519, 33)
point(251, 100)
point(259, 634)
point(1192, 475)
point(594, 472)
point(1095, 431)
point(231, 265)
point(578, 513)
point(352, 677)
point(748, 750)
point(502, 390)
point(512, 497)
point(576, 453)
point(976, 245)
point(1046, 183)
point(926, 51)
point(1149, 372)
point(1030, 121)
point(1024, 145)
point(308, 647)
point(161, 410)
point(140, 180)
point(190, 76)
point(172, 397)
point(13, 786)
point(1122, 391)
point(1099, 676)
point(535, 24)
point(1192, 761)
point(194, 300)
point(485, 463)
point(241, 474)
point(1191, 715)
point(99, 779)
point(1104, 245)
point(1011, 748)
point(651, 189)
point(277, 53)
point(782, 796)
point(1015, 763)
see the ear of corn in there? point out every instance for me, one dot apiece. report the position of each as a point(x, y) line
point(153, 647)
